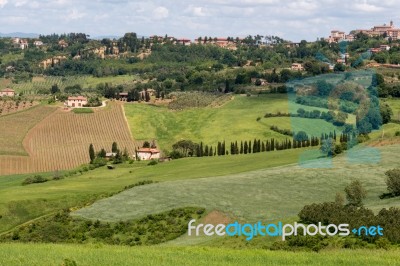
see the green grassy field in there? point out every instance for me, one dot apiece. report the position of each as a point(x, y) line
point(19, 204)
point(236, 120)
point(266, 194)
point(395, 105)
point(47, 254)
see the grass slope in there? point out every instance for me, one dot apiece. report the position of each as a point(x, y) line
point(19, 204)
point(47, 254)
point(236, 120)
point(267, 194)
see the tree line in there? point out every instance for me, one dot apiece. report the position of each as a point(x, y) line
point(188, 148)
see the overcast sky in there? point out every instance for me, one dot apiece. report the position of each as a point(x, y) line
point(290, 19)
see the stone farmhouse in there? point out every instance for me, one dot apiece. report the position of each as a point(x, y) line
point(76, 101)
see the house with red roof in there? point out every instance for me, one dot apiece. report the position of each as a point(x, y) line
point(145, 154)
point(7, 92)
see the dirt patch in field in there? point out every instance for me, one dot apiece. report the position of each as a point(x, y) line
point(384, 142)
point(217, 217)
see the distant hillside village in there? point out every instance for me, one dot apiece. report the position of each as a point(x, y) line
point(389, 32)
point(70, 46)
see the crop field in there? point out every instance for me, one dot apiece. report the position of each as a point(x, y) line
point(49, 255)
point(11, 106)
point(262, 194)
point(235, 120)
point(61, 140)
point(62, 82)
point(14, 128)
point(46, 83)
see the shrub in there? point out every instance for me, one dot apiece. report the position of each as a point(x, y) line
point(35, 179)
point(98, 162)
point(397, 133)
point(152, 162)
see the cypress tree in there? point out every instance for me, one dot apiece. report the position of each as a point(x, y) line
point(262, 147)
point(245, 147)
point(201, 149)
point(92, 154)
point(334, 135)
point(254, 146)
point(236, 148)
point(114, 147)
point(241, 147)
point(206, 151)
point(211, 152)
point(198, 150)
point(223, 148)
point(219, 149)
point(249, 146)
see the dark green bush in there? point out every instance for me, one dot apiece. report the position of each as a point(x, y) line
point(34, 180)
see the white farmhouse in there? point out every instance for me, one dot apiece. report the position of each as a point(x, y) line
point(76, 101)
point(147, 154)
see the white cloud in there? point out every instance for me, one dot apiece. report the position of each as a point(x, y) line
point(365, 7)
point(160, 12)
point(3, 3)
point(75, 14)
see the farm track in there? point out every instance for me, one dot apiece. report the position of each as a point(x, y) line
point(61, 140)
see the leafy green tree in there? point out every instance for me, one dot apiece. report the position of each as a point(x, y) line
point(188, 147)
point(386, 112)
point(102, 153)
point(355, 193)
point(393, 181)
point(54, 89)
point(328, 147)
point(146, 144)
point(339, 67)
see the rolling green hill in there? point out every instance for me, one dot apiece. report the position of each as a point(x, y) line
point(236, 120)
point(266, 194)
point(19, 204)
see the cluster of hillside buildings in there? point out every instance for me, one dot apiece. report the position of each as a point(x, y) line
point(387, 31)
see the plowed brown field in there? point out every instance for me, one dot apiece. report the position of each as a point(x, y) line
point(61, 140)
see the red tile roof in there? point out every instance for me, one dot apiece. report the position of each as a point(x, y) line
point(77, 98)
point(148, 150)
point(8, 90)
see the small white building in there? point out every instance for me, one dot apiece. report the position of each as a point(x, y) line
point(297, 67)
point(7, 92)
point(147, 154)
point(76, 101)
point(38, 43)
